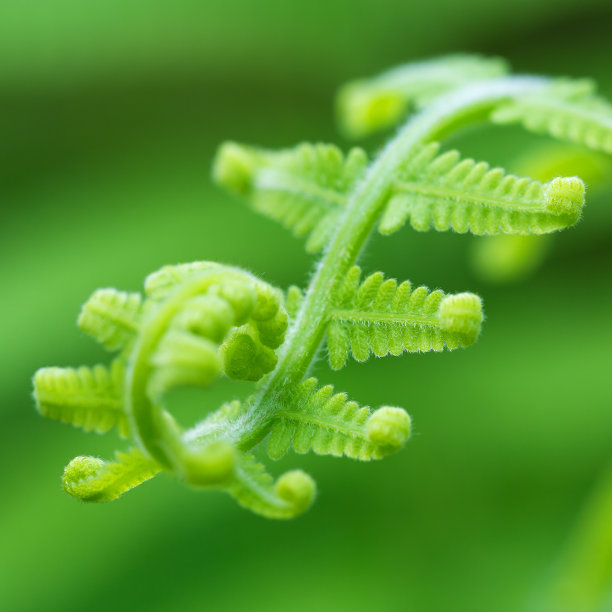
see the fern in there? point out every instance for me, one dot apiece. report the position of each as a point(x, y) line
point(92, 479)
point(256, 490)
point(89, 398)
point(381, 317)
point(111, 317)
point(304, 188)
point(508, 258)
point(200, 321)
point(566, 110)
point(368, 105)
point(331, 425)
point(448, 193)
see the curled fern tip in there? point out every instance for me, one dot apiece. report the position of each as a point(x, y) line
point(389, 428)
point(196, 323)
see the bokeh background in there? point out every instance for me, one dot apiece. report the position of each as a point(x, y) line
point(110, 113)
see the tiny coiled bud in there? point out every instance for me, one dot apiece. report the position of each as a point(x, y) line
point(565, 196)
point(244, 357)
point(297, 488)
point(461, 313)
point(78, 471)
point(389, 427)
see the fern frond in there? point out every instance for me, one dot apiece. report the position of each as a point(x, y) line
point(89, 398)
point(255, 489)
point(369, 105)
point(304, 188)
point(567, 110)
point(94, 480)
point(381, 317)
point(444, 192)
point(111, 317)
point(331, 425)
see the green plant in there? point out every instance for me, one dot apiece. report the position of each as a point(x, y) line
point(502, 259)
point(569, 110)
point(203, 319)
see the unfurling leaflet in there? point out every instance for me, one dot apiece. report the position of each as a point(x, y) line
point(201, 321)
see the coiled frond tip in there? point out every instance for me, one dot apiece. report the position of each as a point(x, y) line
point(297, 488)
point(461, 313)
point(389, 427)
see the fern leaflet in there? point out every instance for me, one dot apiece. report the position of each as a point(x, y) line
point(111, 317)
point(89, 398)
point(255, 489)
point(94, 480)
point(331, 425)
point(304, 188)
point(567, 110)
point(446, 193)
point(381, 317)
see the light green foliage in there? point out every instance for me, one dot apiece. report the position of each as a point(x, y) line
point(202, 320)
point(89, 398)
point(331, 425)
point(92, 479)
point(508, 258)
point(369, 105)
point(380, 317)
point(111, 317)
point(256, 490)
point(445, 192)
point(568, 110)
point(304, 188)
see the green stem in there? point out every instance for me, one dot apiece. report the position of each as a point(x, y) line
point(448, 113)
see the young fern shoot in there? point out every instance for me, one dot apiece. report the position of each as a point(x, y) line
point(203, 320)
point(567, 110)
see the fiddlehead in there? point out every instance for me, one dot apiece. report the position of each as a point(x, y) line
point(203, 320)
point(89, 398)
point(199, 321)
point(507, 258)
point(567, 110)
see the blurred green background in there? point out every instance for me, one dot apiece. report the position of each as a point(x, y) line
point(110, 115)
